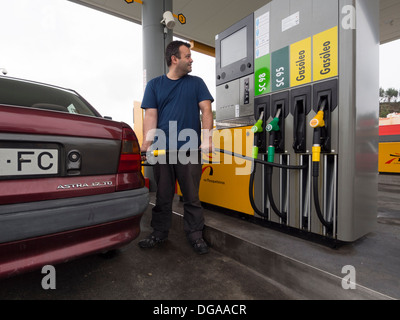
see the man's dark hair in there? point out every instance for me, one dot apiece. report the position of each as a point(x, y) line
point(173, 50)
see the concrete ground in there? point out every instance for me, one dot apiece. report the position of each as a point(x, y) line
point(246, 262)
point(312, 270)
point(172, 271)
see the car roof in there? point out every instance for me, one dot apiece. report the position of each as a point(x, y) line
point(37, 83)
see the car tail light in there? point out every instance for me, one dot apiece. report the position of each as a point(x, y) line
point(129, 174)
point(130, 159)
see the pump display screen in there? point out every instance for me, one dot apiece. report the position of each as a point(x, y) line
point(234, 47)
point(234, 51)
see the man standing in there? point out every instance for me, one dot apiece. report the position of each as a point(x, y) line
point(172, 104)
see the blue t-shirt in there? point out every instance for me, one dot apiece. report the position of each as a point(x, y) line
point(177, 102)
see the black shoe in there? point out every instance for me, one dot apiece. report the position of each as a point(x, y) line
point(200, 246)
point(150, 242)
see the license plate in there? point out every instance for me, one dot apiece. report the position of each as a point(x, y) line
point(27, 162)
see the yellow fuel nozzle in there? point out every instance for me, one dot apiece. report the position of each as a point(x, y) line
point(318, 121)
point(155, 153)
point(158, 153)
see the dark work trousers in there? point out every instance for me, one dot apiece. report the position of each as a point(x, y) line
point(188, 177)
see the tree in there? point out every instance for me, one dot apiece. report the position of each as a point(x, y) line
point(386, 105)
point(381, 94)
point(392, 94)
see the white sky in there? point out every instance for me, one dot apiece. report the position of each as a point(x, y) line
point(98, 55)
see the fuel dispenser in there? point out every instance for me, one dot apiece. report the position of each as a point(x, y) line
point(302, 88)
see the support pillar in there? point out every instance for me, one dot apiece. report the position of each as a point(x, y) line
point(155, 39)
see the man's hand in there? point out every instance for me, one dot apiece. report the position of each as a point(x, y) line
point(207, 146)
point(149, 124)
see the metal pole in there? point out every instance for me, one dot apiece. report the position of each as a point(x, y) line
point(155, 39)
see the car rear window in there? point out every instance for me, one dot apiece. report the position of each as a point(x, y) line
point(40, 96)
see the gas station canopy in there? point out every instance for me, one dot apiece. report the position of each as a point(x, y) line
point(207, 18)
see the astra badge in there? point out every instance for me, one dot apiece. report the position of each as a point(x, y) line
point(85, 185)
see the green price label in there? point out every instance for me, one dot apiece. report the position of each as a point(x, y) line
point(262, 83)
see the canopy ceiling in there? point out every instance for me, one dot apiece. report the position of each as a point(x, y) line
point(206, 18)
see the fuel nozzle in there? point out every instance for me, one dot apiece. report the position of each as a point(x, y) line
point(274, 124)
point(318, 121)
point(272, 128)
point(155, 153)
point(258, 127)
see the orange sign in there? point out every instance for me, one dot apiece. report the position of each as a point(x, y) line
point(181, 18)
point(131, 1)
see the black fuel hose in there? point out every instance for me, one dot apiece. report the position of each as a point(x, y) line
point(265, 163)
point(251, 192)
point(315, 174)
point(269, 165)
point(328, 225)
point(282, 215)
point(237, 155)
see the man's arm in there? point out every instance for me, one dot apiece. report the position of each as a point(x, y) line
point(149, 124)
point(207, 124)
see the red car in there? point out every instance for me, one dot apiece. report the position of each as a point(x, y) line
point(70, 180)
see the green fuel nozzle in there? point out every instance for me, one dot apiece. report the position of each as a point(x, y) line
point(274, 124)
point(258, 127)
point(272, 128)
